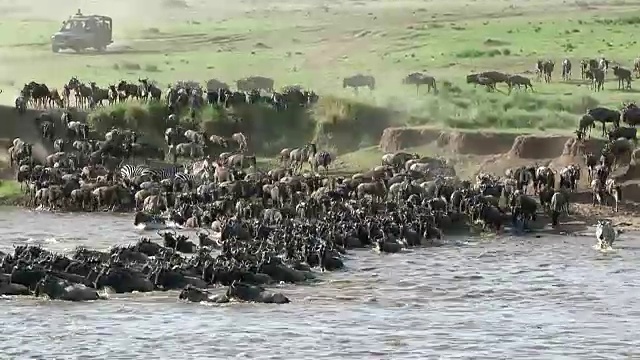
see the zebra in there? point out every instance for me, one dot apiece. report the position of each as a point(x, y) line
point(191, 180)
point(163, 173)
point(185, 177)
point(129, 172)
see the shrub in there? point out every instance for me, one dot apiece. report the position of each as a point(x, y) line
point(347, 124)
point(470, 53)
point(151, 68)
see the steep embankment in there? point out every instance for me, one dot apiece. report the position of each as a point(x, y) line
point(495, 152)
point(23, 126)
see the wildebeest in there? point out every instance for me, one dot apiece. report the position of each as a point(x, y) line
point(636, 67)
point(545, 69)
point(629, 133)
point(519, 80)
point(587, 122)
point(623, 75)
point(215, 85)
point(615, 149)
point(630, 114)
point(586, 65)
point(21, 104)
point(597, 78)
point(590, 161)
point(523, 177)
point(358, 81)
point(397, 160)
point(605, 234)
point(566, 69)
point(194, 137)
point(149, 90)
point(256, 83)
point(559, 204)
point(605, 115)
point(48, 130)
point(597, 191)
point(241, 140)
point(319, 159)
point(479, 79)
point(613, 191)
point(418, 79)
point(187, 150)
point(488, 79)
point(569, 177)
point(496, 76)
point(603, 64)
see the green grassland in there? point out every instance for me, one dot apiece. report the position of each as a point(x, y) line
point(10, 193)
point(315, 44)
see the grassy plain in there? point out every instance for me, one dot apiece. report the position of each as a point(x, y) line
point(10, 192)
point(315, 44)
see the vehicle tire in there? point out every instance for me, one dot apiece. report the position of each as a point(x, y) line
point(55, 48)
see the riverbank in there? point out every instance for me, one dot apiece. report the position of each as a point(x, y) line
point(10, 193)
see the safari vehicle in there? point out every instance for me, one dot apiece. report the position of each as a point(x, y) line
point(81, 32)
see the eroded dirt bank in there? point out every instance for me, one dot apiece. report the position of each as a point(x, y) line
point(24, 126)
point(495, 152)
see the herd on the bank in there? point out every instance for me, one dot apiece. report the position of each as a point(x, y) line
point(592, 70)
point(265, 226)
point(183, 95)
point(259, 89)
point(270, 225)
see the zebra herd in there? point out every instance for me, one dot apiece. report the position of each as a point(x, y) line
point(130, 172)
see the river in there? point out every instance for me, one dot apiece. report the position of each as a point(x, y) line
point(502, 298)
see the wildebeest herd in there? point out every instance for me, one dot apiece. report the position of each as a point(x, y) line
point(259, 89)
point(262, 225)
point(179, 96)
point(594, 71)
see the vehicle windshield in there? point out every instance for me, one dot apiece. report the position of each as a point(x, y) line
point(73, 25)
point(89, 25)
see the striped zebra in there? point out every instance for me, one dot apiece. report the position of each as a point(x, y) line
point(191, 180)
point(129, 172)
point(159, 174)
point(188, 178)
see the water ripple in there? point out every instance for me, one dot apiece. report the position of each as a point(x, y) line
point(506, 298)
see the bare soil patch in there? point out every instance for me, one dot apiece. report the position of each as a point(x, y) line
point(461, 142)
point(495, 152)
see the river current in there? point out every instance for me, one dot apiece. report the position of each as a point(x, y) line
point(507, 298)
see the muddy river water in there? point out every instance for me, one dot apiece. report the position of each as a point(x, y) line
point(514, 297)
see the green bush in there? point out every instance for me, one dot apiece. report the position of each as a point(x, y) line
point(346, 124)
point(341, 124)
point(147, 119)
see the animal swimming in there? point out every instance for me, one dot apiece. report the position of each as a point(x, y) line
point(605, 234)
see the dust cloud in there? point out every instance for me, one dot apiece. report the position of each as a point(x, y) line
point(124, 12)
